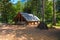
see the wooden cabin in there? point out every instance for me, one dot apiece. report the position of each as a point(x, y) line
point(25, 18)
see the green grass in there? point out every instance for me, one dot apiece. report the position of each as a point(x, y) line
point(57, 24)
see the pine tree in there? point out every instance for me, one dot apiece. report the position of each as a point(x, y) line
point(18, 6)
point(6, 10)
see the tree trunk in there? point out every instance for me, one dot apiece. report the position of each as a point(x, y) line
point(42, 24)
point(54, 12)
point(43, 9)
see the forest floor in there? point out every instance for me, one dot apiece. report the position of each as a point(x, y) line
point(17, 32)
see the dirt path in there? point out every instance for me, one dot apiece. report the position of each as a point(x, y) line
point(16, 32)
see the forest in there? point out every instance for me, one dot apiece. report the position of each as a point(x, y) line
point(29, 19)
point(47, 11)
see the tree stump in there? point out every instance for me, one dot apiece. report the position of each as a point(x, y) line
point(42, 25)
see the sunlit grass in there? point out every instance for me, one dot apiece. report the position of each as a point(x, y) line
point(58, 24)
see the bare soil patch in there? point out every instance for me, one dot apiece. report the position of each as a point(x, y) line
point(17, 32)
